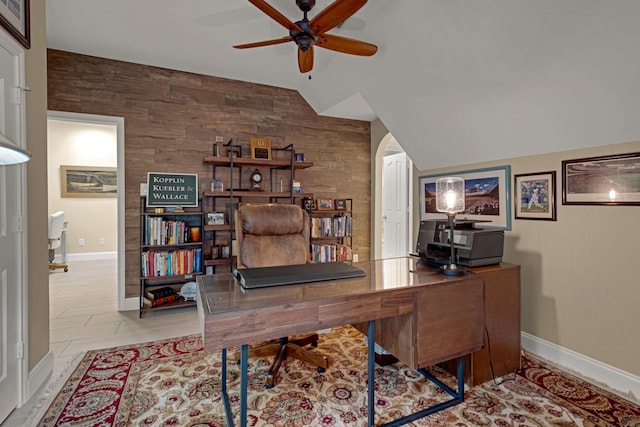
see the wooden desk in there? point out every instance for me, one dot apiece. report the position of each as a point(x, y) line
point(435, 317)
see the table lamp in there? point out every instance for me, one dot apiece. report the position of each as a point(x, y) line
point(450, 200)
point(10, 154)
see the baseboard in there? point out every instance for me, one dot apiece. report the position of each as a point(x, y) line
point(87, 256)
point(131, 304)
point(613, 379)
point(39, 375)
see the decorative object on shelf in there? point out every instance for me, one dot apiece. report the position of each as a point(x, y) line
point(256, 180)
point(234, 152)
point(215, 218)
point(261, 148)
point(299, 157)
point(308, 204)
point(215, 252)
point(15, 18)
point(341, 204)
point(296, 186)
point(217, 185)
point(188, 291)
point(195, 234)
point(603, 180)
point(225, 251)
point(488, 201)
point(325, 204)
point(450, 200)
point(534, 195)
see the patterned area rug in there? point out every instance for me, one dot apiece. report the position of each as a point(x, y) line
point(173, 383)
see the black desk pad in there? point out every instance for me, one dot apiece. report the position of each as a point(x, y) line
point(260, 277)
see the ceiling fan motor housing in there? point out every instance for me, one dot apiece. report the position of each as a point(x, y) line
point(304, 39)
point(306, 5)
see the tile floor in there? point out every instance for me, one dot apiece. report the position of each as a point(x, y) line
point(83, 316)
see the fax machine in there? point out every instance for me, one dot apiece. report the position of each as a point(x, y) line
point(474, 247)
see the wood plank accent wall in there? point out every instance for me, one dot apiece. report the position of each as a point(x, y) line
point(171, 120)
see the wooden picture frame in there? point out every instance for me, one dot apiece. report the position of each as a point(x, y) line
point(534, 196)
point(215, 218)
point(225, 251)
point(261, 148)
point(340, 204)
point(324, 204)
point(487, 196)
point(15, 18)
point(88, 181)
point(604, 180)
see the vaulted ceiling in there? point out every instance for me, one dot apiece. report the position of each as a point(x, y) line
point(454, 81)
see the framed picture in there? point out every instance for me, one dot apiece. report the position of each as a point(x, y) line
point(605, 180)
point(215, 218)
point(225, 251)
point(534, 196)
point(308, 203)
point(325, 204)
point(299, 157)
point(487, 196)
point(15, 18)
point(261, 148)
point(88, 181)
point(215, 252)
point(341, 204)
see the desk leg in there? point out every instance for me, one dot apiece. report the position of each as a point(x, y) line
point(244, 356)
point(371, 370)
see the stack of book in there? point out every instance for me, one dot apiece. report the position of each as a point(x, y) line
point(160, 296)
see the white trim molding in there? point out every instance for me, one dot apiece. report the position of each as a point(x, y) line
point(612, 379)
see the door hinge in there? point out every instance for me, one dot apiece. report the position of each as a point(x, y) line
point(20, 350)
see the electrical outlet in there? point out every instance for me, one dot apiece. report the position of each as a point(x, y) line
point(80, 242)
point(101, 241)
point(355, 257)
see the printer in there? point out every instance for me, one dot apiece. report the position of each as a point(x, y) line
point(474, 247)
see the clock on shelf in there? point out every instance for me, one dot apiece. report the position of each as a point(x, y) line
point(256, 181)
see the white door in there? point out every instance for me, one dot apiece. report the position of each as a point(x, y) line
point(10, 239)
point(395, 206)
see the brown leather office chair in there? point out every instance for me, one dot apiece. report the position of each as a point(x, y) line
point(273, 235)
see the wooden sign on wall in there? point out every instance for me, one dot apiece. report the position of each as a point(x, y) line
point(172, 189)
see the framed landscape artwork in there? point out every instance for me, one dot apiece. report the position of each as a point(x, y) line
point(88, 181)
point(534, 196)
point(604, 180)
point(487, 196)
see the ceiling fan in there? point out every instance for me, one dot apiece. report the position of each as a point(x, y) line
point(307, 33)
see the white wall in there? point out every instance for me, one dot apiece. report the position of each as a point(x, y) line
point(83, 144)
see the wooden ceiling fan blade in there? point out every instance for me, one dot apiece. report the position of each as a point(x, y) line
point(264, 43)
point(346, 45)
point(305, 59)
point(274, 14)
point(334, 14)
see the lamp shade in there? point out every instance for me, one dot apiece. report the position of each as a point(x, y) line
point(450, 195)
point(10, 154)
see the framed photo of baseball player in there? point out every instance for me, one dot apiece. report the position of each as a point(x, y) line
point(535, 196)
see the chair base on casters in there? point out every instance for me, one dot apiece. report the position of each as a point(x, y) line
point(293, 348)
point(56, 265)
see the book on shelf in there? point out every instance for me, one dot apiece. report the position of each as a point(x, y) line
point(154, 294)
point(171, 263)
point(147, 303)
